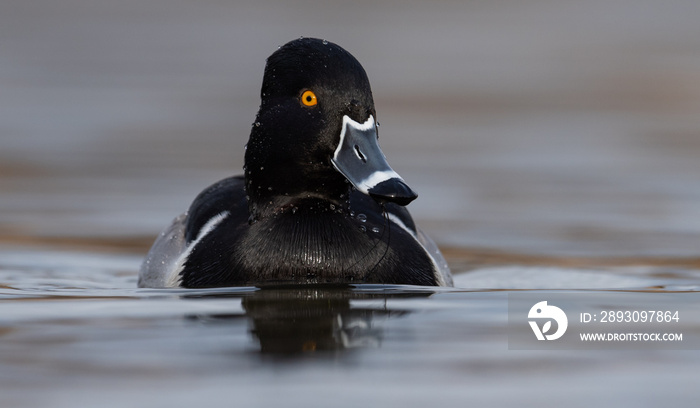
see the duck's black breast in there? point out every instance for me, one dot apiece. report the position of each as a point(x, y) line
point(308, 240)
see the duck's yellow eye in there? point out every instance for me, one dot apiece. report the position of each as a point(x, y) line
point(308, 98)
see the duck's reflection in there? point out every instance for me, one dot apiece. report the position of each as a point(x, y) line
point(298, 320)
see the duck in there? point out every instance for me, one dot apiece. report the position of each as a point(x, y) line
point(317, 202)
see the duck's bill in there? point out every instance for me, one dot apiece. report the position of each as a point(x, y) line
point(359, 158)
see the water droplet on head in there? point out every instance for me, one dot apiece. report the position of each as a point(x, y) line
point(363, 228)
point(257, 124)
point(262, 167)
point(375, 230)
point(362, 217)
point(269, 189)
point(332, 206)
point(325, 42)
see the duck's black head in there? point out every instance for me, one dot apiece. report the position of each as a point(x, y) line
point(316, 131)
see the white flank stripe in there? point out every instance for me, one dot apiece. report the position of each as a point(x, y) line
point(436, 269)
point(174, 279)
point(396, 220)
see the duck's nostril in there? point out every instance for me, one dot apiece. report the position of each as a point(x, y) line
point(359, 154)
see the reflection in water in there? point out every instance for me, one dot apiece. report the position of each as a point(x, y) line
point(293, 320)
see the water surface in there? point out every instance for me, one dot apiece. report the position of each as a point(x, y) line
point(75, 330)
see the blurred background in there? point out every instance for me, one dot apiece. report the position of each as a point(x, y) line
point(564, 128)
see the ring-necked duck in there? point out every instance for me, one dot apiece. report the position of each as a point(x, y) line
point(318, 202)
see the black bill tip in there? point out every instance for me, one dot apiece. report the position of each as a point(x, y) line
point(394, 191)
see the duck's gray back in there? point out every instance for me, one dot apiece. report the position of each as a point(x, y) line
point(160, 267)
